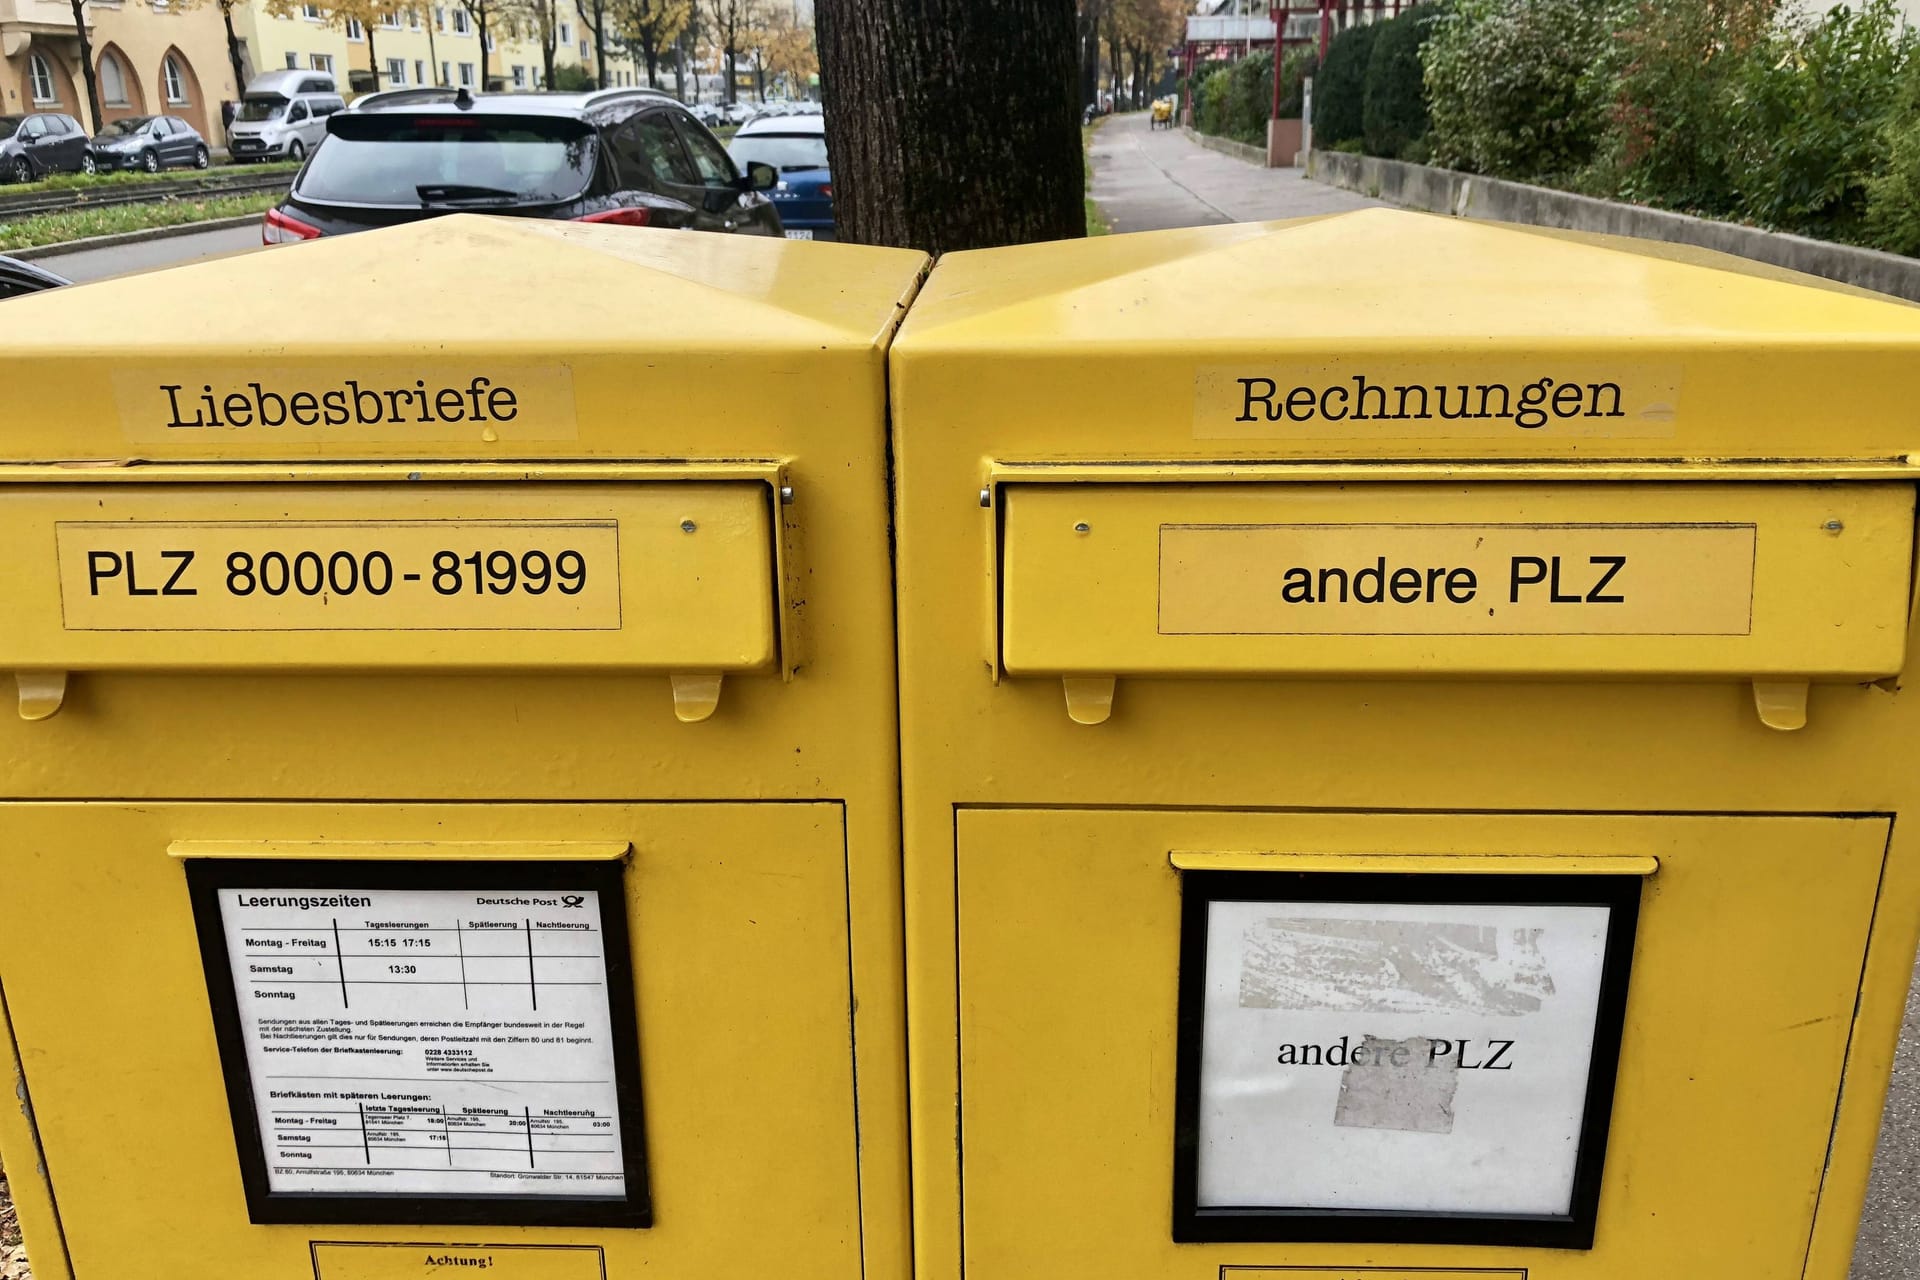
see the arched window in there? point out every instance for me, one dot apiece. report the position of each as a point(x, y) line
point(176, 80)
point(113, 81)
point(42, 74)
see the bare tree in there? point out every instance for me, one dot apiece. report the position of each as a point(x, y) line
point(86, 65)
point(733, 23)
point(946, 134)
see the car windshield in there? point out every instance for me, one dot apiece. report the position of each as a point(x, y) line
point(784, 151)
point(258, 109)
point(130, 125)
point(9, 124)
point(465, 161)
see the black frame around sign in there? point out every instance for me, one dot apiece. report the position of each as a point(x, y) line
point(1280, 1224)
point(207, 876)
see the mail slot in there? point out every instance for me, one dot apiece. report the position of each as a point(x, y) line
point(450, 822)
point(1404, 751)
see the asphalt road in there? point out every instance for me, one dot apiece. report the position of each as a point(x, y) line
point(97, 264)
point(1152, 179)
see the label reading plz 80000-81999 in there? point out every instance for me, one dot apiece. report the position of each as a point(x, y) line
point(429, 575)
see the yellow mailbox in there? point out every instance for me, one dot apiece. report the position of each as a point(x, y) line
point(1402, 743)
point(450, 821)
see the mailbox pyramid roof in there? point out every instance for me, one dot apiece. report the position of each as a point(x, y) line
point(1735, 359)
point(638, 341)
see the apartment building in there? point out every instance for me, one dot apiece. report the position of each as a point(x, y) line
point(424, 44)
point(151, 57)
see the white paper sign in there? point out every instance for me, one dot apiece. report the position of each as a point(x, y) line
point(428, 1042)
point(1386, 1056)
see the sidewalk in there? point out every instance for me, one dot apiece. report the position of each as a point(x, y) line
point(1150, 179)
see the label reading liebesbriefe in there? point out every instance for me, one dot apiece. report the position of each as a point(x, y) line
point(1358, 398)
point(377, 401)
point(369, 575)
point(1457, 579)
point(428, 1042)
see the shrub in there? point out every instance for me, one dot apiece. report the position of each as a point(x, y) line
point(1818, 101)
point(1394, 113)
point(1235, 100)
point(1893, 195)
point(1675, 70)
point(1339, 91)
point(1302, 62)
point(1511, 86)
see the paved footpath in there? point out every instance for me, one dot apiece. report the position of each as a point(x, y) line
point(97, 264)
point(1150, 179)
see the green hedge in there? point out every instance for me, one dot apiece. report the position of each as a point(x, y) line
point(1393, 111)
point(1339, 91)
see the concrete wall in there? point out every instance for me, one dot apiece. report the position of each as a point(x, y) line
point(1463, 195)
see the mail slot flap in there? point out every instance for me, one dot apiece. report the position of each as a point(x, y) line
point(1759, 580)
point(647, 576)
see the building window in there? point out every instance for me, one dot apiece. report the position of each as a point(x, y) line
point(413, 19)
point(396, 71)
point(584, 51)
point(321, 62)
point(419, 70)
point(354, 30)
point(566, 33)
point(519, 77)
point(390, 21)
point(490, 45)
point(293, 61)
point(439, 17)
point(462, 24)
point(174, 79)
point(113, 81)
point(466, 74)
point(43, 93)
point(446, 73)
point(312, 12)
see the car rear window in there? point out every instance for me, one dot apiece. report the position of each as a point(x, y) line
point(784, 151)
point(451, 161)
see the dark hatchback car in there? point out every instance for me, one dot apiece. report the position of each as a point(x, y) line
point(46, 142)
point(152, 143)
point(18, 278)
point(625, 156)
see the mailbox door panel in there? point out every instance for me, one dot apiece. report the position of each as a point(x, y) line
point(1740, 999)
point(737, 921)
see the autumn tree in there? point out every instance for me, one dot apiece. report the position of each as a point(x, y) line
point(786, 53)
point(731, 24)
point(945, 132)
point(236, 57)
point(648, 28)
point(486, 15)
point(342, 14)
point(543, 20)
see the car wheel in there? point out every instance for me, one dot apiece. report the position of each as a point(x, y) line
point(22, 170)
point(296, 150)
point(87, 165)
point(150, 161)
point(201, 157)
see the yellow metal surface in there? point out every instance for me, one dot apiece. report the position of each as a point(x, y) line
point(1375, 863)
point(1708, 1053)
point(1087, 379)
point(1369, 1273)
point(733, 384)
point(660, 576)
point(335, 1261)
point(1456, 580)
point(740, 935)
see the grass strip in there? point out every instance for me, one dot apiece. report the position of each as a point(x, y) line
point(78, 224)
point(1096, 221)
point(134, 177)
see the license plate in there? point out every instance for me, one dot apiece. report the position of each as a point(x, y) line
point(799, 235)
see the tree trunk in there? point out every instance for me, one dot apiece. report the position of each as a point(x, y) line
point(481, 21)
point(732, 94)
point(86, 65)
point(433, 54)
point(1089, 52)
point(599, 28)
point(652, 55)
point(373, 57)
point(233, 50)
point(946, 134)
point(679, 69)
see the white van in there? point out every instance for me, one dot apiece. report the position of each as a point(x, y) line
point(283, 115)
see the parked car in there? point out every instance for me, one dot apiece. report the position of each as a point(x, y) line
point(283, 115)
point(706, 113)
point(152, 143)
point(17, 278)
point(796, 146)
point(736, 113)
point(635, 157)
point(34, 146)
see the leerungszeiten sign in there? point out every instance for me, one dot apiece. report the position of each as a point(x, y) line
point(1398, 1057)
point(404, 1035)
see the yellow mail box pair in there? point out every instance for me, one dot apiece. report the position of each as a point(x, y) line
point(1345, 750)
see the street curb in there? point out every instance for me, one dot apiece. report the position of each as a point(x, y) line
point(1226, 146)
point(1465, 195)
point(132, 237)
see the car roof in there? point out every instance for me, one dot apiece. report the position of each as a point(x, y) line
point(797, 123)
point(530, 102)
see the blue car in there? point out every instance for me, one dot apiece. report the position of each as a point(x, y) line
point(796, 146)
